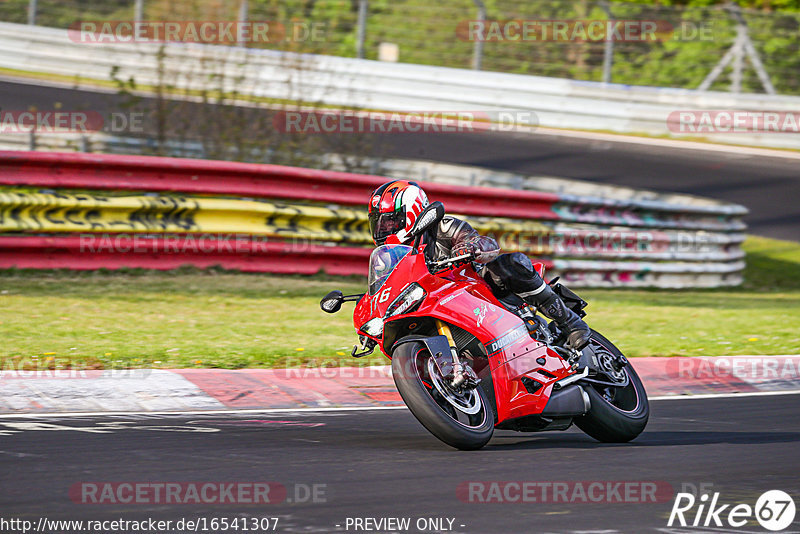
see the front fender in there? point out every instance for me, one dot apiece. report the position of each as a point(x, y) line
point(439, 348)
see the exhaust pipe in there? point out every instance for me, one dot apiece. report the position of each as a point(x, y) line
point(570, 401)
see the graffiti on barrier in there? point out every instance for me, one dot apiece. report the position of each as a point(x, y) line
point(90, 212)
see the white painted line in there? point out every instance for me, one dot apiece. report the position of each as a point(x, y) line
point(670, 143)
point(89, 85)
point(351, 408)
point(714, 357)
point(206, 412)
point(725, 395)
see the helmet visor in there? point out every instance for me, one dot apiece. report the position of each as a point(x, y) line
point(382, 225)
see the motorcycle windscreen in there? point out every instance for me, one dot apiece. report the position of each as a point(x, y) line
point(382, 262)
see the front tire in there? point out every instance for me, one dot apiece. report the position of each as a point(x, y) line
point(618, 415)
point(449, 420)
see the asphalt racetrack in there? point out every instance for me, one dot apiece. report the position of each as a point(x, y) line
point(768, 186)
point(383, 464)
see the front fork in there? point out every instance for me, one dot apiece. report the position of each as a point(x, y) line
point(461, 373)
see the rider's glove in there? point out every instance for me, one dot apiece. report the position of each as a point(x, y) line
point(463, 248)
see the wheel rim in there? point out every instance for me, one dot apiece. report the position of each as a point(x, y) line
point(624, 399)
point(464, 408)
point(469, 402)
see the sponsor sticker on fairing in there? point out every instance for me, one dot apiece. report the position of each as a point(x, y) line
point(507, 339)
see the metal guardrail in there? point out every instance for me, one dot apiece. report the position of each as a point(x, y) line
point(189, 176)
point(103, 198)
point(365, 84)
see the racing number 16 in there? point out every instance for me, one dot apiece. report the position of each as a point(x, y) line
point(385, 294)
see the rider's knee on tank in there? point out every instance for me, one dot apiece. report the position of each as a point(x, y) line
point(521, 264)
point(511, 273)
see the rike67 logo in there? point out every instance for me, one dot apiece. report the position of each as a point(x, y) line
point(774, 510)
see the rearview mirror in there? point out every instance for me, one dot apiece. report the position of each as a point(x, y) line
point(332, 302)
point(429, 217)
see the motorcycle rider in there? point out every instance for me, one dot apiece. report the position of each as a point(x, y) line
point(395, 206)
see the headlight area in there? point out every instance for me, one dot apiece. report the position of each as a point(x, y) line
point(407, 301)
point(373, 327)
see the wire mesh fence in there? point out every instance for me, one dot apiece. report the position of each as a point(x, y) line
point(621, 42)
point(62, 13)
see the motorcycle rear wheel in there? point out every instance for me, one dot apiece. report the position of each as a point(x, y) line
point(617, 415)
point(465, 420)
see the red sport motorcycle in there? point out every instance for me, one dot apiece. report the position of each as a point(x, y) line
point(466, 362)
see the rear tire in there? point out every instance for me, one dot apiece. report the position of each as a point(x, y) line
point(464, 431)
point(615, 416)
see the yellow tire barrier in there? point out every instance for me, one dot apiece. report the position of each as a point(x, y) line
point(75, 212)
point(92, 212)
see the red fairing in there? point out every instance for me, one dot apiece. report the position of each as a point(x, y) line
point(460, 297)
point(539, 268)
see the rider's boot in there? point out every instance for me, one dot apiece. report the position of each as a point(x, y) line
point(550, 304)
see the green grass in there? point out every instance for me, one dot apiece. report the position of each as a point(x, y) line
point(191, 318)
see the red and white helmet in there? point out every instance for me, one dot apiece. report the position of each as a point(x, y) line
point(393, 209)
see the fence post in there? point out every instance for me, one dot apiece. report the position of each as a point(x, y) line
point(138, 10)
point(477, 48)
point(361, 34)
point(751, 53)
point(32, 12)
point(742, 47)
point(608, 52)
point(243, 12)
point(738, 58)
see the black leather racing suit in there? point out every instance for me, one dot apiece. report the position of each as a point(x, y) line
point(506, 273)
point(453, 233)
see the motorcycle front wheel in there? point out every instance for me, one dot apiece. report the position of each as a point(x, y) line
point(461, 418)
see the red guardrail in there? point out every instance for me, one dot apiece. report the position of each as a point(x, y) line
point(147, 173)
point(90, 252)
point(36, 249)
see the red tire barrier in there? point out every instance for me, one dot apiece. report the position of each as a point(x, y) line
point(90, 252)
point(712, 259)
point(147, 173)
